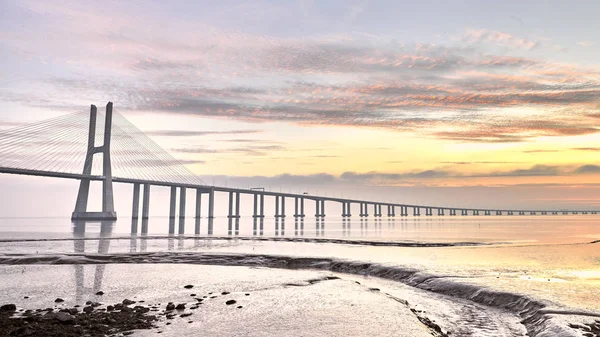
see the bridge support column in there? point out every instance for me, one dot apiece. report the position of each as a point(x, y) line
point(509, 212)
point(182, 197)
point(198, 211)
point(145, 208)
point(475, 212)
point(298, 207)
point(255, 210)
point(237, 205)
point(211, 203)
point(464, 212)
point(486, 213)
point(279, 208)
point(135, 208)
point(416, 211)
point(262, 206)
point(498, 212)
point(172, 208)
point(452, 212)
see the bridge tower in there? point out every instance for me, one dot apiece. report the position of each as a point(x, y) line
point(108, 207)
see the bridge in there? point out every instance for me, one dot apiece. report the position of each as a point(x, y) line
point(55, 148)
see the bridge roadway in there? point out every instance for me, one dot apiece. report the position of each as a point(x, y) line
point(345, 201)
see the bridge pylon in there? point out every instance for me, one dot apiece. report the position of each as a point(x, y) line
point(108, 207)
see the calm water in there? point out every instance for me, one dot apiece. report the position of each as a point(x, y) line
point(549, 259)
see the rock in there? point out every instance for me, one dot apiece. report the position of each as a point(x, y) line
point(239, 307)
point(8, 307)
point(180, 306)
point(247, 294)
point(73, 311)
point(59, 300)
point(170, 306)
point(25, 297)
point(186, 314)
point(88, 309)
point(88, 302)
point(374, 289)
point(64, 318)
point(189, 286)
point(192, 295)
point(230, 302)
point(100, 293)
point(127, 302)
point(225, 293)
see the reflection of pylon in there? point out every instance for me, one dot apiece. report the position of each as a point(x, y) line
point(108, 208)
point(79, 241)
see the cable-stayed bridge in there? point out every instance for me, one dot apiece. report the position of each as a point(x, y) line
point(66, 146)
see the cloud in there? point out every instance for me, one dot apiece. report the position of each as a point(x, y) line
point(585, 43)
point(536, 170)
point(499, 38)
point(592, 149)
point(457, 91)
point(588, 169)
point(540, 151)
point(192, 133)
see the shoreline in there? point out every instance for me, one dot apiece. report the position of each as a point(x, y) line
point(540, 318)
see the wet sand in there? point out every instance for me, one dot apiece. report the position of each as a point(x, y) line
point(224, 301)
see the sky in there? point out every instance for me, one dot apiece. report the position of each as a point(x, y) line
point(469, 102)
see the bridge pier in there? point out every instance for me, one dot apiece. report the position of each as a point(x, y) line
point(211, 203)
point(172, 208)
point(320, 208)
point(464, 212)
point(299, 204)
point(345, 209)
point(145, 208)
point(135, 208)
point(182, 197)
point(198, 211)
point(231, 205)
point(279, 207)
point(498, 212)
point(521, 213)
point(452, 212)
point(440, 211)
point(487, 213)
point(416, 211)
point(509, 212)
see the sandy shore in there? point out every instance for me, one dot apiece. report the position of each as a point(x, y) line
point(218, 301)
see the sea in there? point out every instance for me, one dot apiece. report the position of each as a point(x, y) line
point(535, 275)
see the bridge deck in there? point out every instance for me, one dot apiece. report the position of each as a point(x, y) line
point(206, 189)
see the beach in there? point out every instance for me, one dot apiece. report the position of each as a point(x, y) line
point(372, 283)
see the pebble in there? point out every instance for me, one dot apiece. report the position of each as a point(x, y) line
point(8, 307)
point(100, 293)
point(180, 306)
point(230, 302)
point(59, 300)
point(189, 286)
point(170, 306)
